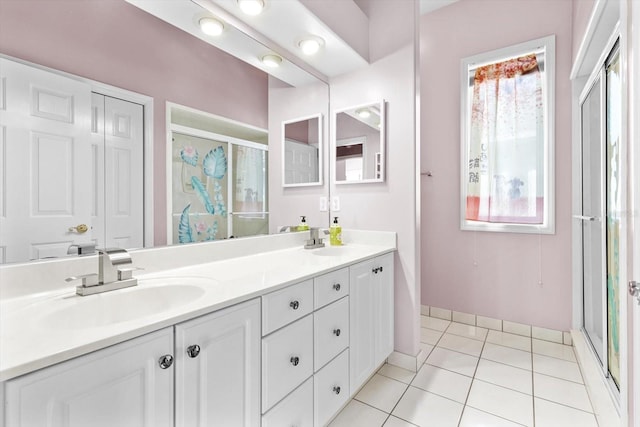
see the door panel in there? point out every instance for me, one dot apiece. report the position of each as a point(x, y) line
point(45, 129)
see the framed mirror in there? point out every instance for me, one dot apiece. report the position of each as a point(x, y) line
point(302, 151)
point(359, 144)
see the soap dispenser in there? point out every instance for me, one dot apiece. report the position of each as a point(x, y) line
point(303, 224)
point(335, 233)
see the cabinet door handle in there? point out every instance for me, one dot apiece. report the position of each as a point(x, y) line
point(193, 350)
point(375, 270)
point(337, 287)
point(381, 269)
point(295, 360)
point(294, 305)
point(165, 361)
point(336, 332)
point(336, 389)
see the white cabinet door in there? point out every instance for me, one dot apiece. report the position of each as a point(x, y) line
point(362, 310)
point(385, 315)
point(120, 386)
point(371, 317)
point(218, 368)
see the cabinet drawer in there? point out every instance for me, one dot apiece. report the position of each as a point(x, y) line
point(287, 360)
point(331, 388)
point(286, 305)
point(294, 410)
point(330, 332)
point(330, 287)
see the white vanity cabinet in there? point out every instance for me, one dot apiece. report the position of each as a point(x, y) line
point(218, 368)
point(122, 385)
point(370, 317)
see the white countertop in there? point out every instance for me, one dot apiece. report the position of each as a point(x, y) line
point(44, 328)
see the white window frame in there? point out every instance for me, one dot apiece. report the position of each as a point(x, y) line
point(548, 88)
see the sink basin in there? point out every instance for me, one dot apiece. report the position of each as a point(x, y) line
point(123, 305)
point(332, 251)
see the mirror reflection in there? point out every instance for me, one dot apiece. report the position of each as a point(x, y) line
point(359, 144)
point(302, 148)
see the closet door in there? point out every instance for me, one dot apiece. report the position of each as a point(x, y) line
point(46, 152)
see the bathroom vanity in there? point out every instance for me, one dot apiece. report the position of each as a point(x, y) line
point(271, 335)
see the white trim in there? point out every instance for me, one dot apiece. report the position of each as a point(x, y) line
point(186, 130)
point(549, 75)
point(320, 180)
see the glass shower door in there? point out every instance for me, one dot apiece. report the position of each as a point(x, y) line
point(591, 218)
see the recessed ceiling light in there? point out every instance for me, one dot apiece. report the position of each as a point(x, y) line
point(311, 45)
point(271, 60)
point(251, 7)
point(211, 26)
point(363, 113)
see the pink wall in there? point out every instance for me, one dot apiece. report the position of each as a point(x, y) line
point(580, 13)
point(490, 274)
point(112, 42)
point(388, 206)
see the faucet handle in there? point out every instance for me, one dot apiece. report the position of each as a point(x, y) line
point(127, 273)
point(88, 280)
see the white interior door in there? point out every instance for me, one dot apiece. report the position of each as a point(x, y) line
point(44, 134)
point(300, 162)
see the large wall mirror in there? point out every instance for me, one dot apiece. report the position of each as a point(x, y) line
point(115, 51)
point(302, 151)
point(359, 144)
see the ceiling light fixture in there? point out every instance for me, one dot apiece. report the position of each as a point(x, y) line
point(363, 113)
point(271, 60)
point(311, 45)
point(211, 27)
point(251, 7)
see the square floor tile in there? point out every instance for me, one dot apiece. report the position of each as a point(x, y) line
point(502, 402)
point(472, 417)
point(445, 383)
point(434, 323)
point(453, 361)
point(397, 422)
point(553, 349)
point(467, 331)
point(557, 368)
point(427, 409)
point(510, 356)
point(381, 392)
point(561, 391)
point(504, 375)
point(549, 414)
point(509, 340)
point(461, 344)
point(429, 336)
point(397, 373)
point(357, 414)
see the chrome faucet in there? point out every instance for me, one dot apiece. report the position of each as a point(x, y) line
point(112, 273)
point(315, 241)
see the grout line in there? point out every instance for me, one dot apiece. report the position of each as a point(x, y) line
point(567, 406)
point(533, 388)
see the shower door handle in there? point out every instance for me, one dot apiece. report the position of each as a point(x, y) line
point(634, 290)
point(585, 218)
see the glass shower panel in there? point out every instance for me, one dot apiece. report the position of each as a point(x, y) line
point(199, 189)
point(592, 232)
point(249, 189)
point(614, 213)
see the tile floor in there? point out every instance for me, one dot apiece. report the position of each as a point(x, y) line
point(475, 377)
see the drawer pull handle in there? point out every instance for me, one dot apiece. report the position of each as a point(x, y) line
point(375, 270)
point(294, 305)
point(380, 269)
point(295, 360)
point(337, 287)
point(165, 361)
point(336, 332)
point(193, 350)
point(336, 389)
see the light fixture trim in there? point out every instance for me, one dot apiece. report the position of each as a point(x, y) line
point(271, 60)
point(251, 7)
point(211, 26)
point(364, 113)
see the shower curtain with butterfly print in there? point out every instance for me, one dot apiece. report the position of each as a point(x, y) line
point(505, 181)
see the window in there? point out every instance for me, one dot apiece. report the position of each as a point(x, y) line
point(507, 139)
